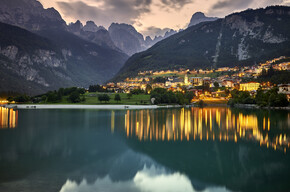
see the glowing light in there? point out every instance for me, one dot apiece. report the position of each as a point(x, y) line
point(112, 121)
point(223, 125)
point(8, 118)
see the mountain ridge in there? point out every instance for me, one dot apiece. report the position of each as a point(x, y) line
point(243, 38)
point(200, 17)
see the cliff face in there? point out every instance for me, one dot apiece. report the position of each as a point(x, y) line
point(31, 15)
point(30, 63)
point(127, 38)
point(242, 38)
point(40, 52)
point(93, 33)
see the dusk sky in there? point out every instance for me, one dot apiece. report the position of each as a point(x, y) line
point(150, 16)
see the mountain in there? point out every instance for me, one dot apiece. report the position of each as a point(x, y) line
point(199, 17)
point(93, 33)
point(243, 38)
point(39, 52)
point(149, 42)
point(127, 38)
point(34, 63)
point(31, 15)
point(130, 41)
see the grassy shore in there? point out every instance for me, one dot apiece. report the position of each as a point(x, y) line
point(92, 99)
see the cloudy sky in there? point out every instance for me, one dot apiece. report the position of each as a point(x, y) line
point(149, 16)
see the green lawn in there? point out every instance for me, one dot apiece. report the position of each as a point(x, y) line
point(92, 98)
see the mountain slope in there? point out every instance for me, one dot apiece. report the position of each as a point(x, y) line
point(33, 64)
point(45, 54)
point(93, 33)
point(127, 38)
point(29, 62)
point(30, 15)
point(244, 38)
point(130, 41)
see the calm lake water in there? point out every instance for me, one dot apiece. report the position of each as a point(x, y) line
point(186, 150)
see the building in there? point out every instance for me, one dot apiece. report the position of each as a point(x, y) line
point(186, 81)
point(197, 81)
point(284, 89)
point(174, 82)
point(250, 86)
point(228, 83)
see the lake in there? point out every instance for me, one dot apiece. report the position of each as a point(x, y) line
point(189, 149)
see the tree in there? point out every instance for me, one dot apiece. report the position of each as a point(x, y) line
point(148, 89)
point(270, 71)
point(92, 88)
point(82, 91)
point(74, 97)
point(216, 84)
point(104, 97)
point(10, 99)
point(43, 98)
point(60, 93)
point(96, 88)
point(22, 99)
point(189, 96)
point(227, 92)
point(100, 98)
point(53, 97)
point(205, 86)
point(180, 98)
point(264, 73)
point(137, 91)
point(201, 103)
point(159, 91)
point(129, 95)
point(117, 98)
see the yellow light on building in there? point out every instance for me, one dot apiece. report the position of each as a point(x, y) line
point(250, 86)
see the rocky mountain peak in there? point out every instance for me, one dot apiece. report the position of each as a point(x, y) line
point(75, 27)
point(126, 38)
point(30, 14)
point(92, 27)
point(200, 17)
point(169, 33)
point(126, 27)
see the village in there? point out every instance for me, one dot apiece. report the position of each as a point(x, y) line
point(206, 84)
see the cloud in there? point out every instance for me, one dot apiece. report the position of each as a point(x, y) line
point(175, 4)
point(104, 12)
point(224, 7)
point(225, 4)
point(154, 31)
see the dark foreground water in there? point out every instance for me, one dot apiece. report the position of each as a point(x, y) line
point(209, 149)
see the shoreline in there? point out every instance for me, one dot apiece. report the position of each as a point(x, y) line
point(130, 107)
point(254, 106)
point(103, 107)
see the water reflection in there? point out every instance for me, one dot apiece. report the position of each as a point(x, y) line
point(148, 179)
point(8, 118)
point(210, 149)
point(222, 124)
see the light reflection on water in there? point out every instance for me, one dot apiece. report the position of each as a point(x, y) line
point(209, 149)
point(220, 124)
point(8, 118)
